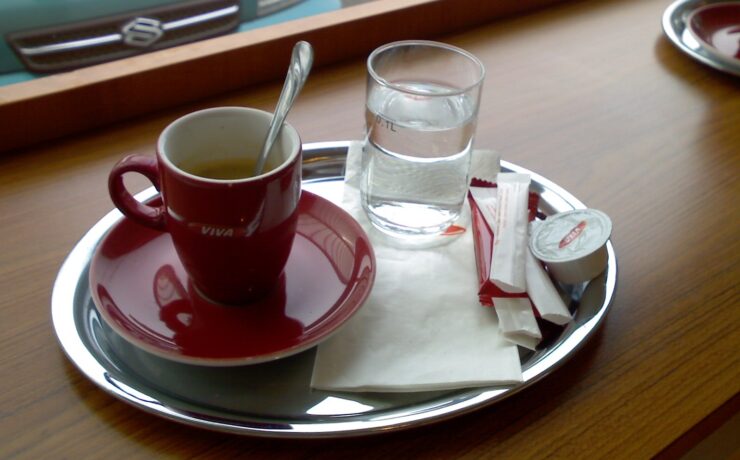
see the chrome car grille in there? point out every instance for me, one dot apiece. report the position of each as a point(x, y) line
point(105, 39)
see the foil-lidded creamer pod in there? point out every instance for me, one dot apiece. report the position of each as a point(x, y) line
point(572, 244)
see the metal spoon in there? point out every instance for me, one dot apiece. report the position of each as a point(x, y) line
point(300, 66)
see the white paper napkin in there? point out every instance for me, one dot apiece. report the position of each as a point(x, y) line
point(422, 327)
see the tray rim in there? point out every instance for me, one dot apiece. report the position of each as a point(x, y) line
point(63, 306)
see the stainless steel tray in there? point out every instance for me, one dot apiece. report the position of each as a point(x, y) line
point(675, 20)
point(274, 399)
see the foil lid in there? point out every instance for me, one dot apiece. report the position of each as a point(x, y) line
point(570, 235)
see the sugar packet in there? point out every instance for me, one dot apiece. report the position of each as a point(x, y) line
point(517, 321)
point(508, 269)
point(519, 313)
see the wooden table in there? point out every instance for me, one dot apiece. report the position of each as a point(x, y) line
point(588, 94)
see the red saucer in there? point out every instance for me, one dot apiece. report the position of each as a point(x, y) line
point(717, 27)
point(142, 291)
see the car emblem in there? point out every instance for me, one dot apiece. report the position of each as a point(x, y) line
point(142, 32)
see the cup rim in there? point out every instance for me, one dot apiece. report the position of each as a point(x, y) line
point(292, 133)
point(432, 44)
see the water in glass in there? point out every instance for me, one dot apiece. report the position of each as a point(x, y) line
point(417, 156)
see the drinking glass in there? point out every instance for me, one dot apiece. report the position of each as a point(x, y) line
point(421, 112)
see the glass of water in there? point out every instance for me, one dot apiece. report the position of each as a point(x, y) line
point(421, 112)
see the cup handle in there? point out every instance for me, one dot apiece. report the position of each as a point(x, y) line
point(149, 216)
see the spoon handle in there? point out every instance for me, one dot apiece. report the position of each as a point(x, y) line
point(300, 65)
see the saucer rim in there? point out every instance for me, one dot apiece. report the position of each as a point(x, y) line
point(348, 310)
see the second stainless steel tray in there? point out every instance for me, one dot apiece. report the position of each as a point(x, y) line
point(675, 20)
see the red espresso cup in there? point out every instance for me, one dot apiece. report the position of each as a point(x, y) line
point(233, 231)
